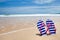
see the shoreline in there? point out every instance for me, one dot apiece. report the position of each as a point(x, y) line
point(29, 15)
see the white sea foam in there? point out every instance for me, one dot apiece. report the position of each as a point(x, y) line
point(30, 15)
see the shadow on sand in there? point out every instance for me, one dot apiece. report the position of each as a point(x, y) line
point(42, 35)
point(38, 35)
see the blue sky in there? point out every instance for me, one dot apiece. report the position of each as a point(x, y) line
point(29, 6)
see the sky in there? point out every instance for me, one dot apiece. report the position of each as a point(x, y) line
point(29, 7)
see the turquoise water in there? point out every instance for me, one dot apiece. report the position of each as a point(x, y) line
point(30, 10)
point(26, 13)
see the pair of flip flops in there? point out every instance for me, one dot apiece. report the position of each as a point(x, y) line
point(49, 25)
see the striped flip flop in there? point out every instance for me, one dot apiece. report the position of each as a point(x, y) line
point(41, 28)
point(50, 27)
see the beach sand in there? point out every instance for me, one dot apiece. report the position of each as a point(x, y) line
point(24, 28)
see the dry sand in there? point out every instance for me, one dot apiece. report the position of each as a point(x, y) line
point(24, 28)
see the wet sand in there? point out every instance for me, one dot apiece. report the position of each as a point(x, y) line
point(24, 28)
